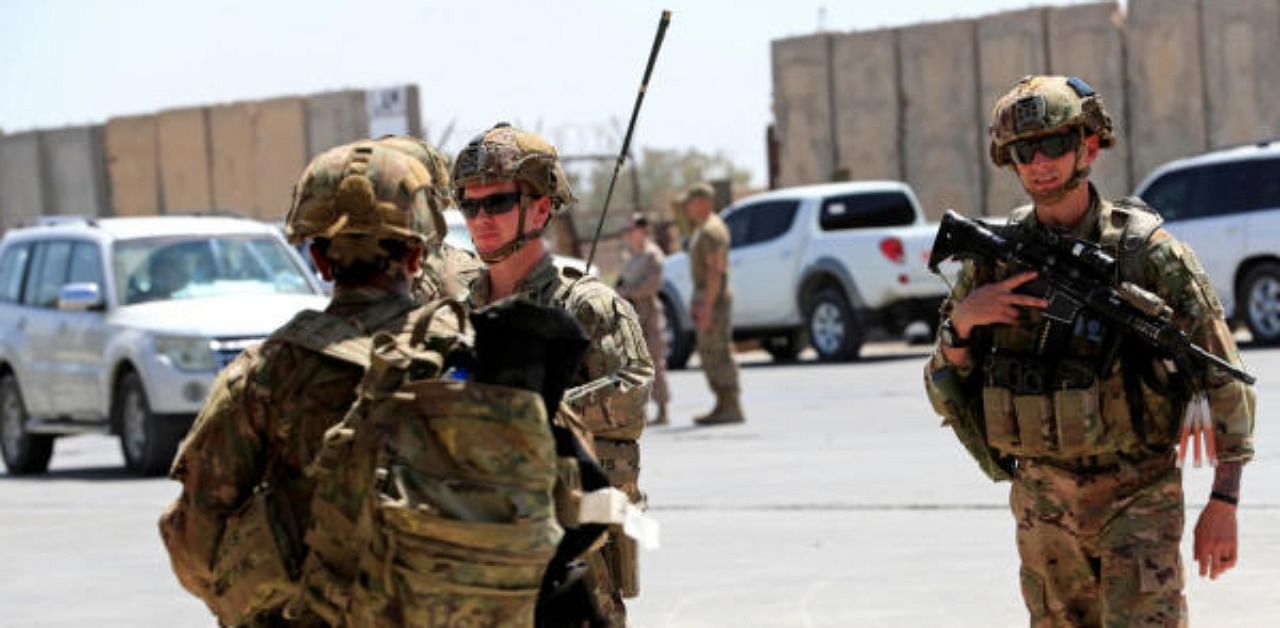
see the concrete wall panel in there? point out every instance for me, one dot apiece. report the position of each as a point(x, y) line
point(21, 193)
point(1166, 97)
point(1087, 41)
point(75, 180)
point(183, 147)
point(131, 166)
point(866, 97)
point(280, 153)
point(939, 79)
point(1242, 70)
point(802, 109)
point(335, 118)
point(1010, 46)
point(233, 153)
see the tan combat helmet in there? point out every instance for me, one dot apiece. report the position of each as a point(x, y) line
point(440, 196)
point(1039, 106)
point(360, 194)
point(505, 153)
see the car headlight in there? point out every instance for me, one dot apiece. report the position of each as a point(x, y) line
point(187, 353)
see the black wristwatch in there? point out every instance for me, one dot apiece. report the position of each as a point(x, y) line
point(950, 337)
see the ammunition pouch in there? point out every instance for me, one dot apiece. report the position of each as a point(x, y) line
point(254, 569)
point(1039, 408)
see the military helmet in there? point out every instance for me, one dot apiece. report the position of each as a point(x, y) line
point(505, 153)
point(439, 193)
point(1044, 105)
point(360, 193)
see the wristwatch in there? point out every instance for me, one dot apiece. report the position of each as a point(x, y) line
point(950, 337)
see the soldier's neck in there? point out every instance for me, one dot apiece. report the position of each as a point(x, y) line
point(505, 276)
point(1067, 211)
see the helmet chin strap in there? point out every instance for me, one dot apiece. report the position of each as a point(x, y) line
point(1078, 176)
point(522, 238)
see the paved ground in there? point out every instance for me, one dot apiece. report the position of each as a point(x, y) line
point(840, 503)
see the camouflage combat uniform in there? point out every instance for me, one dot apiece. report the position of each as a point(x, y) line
point(617, 418)
point(640, 284)
point(715, 343)
point(1099, 513)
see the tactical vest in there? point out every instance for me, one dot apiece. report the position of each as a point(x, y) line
point(1053, 391)
point(433, 504)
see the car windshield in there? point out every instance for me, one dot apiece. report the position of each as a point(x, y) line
point(191, 268)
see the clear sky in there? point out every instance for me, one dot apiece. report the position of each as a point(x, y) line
point(569, 68)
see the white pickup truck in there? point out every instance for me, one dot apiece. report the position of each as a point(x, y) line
point(822, 264)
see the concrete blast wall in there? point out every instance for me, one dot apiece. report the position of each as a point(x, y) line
point(132, 166)
point(802, 107)
point(21, 195)
point(1242, 70)
point(232, 163)
point(73, 172)
point(866, 89)
point(1010, 46)
point(280, 152)
point(335, 118)
point(183, 151)
point(940, 138)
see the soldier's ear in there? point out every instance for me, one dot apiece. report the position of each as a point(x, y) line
point(413, 260)
point(1091, 148)
point(321, 262)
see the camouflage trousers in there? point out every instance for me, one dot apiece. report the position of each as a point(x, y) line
point(715, 349)
point(649, 311)
point(1099, 547)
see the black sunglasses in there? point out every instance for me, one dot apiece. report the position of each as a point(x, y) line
point(494, 204)
point(1051, 146)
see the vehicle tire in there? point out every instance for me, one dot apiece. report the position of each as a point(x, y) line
point(1260, 296)
point(680, 341)
point(24, 453)
point(833, 328)
point(786, 347)
point(147, 443)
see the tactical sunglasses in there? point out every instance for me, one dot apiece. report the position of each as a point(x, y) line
point(1051, 146)
point(494, 204)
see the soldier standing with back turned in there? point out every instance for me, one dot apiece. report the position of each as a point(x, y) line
point(640, 282)
point(711, 306)
point(1088, 441)
point(508, 183)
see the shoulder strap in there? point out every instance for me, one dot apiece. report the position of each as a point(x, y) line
point(335, 336)
point(1125, 226)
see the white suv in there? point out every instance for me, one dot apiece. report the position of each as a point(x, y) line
point(119, 325)
point(1226, 205)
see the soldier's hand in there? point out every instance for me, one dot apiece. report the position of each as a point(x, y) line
point(994, 304)
point(1215, 543)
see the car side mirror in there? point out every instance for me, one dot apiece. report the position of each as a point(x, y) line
point(79, 297)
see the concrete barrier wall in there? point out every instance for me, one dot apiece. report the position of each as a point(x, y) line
point(1010, 46)
point(1087, 41)
point(1242, 46)
point(232, 153)
point(21, 194)
point(940, 137)
point(866, 89)
point(182, 146)
point(1177, 76)
point(802, 109)
point(280, 153)
point(132, 167)
point(73, 172)
point(1166, 91)
point(335, 118)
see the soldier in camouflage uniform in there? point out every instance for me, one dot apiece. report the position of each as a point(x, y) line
point(711, 306)
point(371, 211)
point(640, 283)
point(1088, 446)
point(509, 184)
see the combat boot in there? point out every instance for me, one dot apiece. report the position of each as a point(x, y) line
point(662, 418)
point(727, 410)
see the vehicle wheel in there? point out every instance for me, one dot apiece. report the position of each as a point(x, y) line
point(1260, 293)
point(785, 348)
point(679, 341)
point(148, 445)
point(833, 329)
point(24, 453)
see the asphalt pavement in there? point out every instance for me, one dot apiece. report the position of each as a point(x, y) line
point(839, 503)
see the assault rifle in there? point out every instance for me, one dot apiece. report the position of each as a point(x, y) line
point(1075, 275)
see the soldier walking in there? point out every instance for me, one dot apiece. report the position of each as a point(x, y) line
point(640, 282)
point(1085, 429)
point(711, 304)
